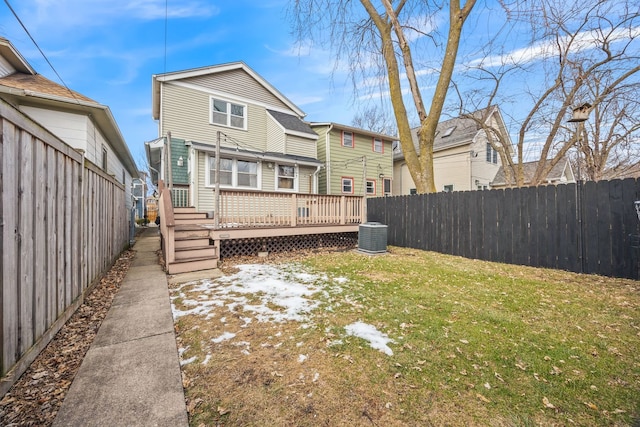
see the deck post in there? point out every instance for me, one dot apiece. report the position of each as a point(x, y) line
point(294, 211)
point(343, 210)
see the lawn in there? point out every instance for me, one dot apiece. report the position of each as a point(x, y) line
point(408, 338)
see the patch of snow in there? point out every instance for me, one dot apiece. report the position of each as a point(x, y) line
point(224, 337)
point(340, 280)
point(302, 357)
point(206, 359)
point(316, 377)
point(377, 339)
point(189, 360)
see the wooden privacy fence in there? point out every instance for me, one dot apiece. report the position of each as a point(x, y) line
point(63, 224)
point(586, 228)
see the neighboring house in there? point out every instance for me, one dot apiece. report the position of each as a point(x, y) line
point(264, 143)
point(139, 192)
point(463, 157)
point(81, 122)
point(561, 173)
point(357, 161)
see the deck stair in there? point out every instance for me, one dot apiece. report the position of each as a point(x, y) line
point(192, 248)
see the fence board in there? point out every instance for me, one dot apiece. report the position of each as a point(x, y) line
point(43, 277)
point(40, 238)
point(536, 226)
point(10, 237)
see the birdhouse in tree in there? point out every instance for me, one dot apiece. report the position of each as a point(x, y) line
point(581, 113)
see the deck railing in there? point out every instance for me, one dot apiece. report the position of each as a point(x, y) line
point(253, 209)
point(180, 197)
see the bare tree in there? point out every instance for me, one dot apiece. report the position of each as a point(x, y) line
point(376, 39)
point(580, 51)
point(375, 119)
point(610, 143)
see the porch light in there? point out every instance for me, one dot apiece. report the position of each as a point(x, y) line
point(180, 161)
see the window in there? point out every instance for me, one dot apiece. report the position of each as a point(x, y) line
point(378, 147)
point(413, 191)
point(347, 139)
point(386, 185)
point(234, 173)
point(448, 188)
point(104, 158)
point(492, 154)
point(448, 132)
point(347, 185)
point(227, 113)
point(286, 177)
point(247, 174)
point(371, 187)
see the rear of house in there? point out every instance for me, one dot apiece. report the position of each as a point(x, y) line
point(356, 161)
point(264, 144)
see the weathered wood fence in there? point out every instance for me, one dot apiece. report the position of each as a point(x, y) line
point(63, 224)
point(587, 228)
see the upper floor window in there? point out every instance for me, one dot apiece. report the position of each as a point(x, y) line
point(286, 177)
point(229, 114)
point(347, 185)
point(347, 139)
point(492, 154)
point(104, 158)
point(371, 187)
point(378, 147)
point(448, 188)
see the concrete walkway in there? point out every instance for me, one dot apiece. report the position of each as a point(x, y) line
point(131, 374)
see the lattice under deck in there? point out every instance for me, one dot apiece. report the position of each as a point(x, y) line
point(250, 247)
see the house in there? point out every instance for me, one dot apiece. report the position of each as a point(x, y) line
point(264, 143)
point(561, 173)
point(464, 159)
point(356, 161)
point(238, 171)
point(139, 192)
point(81, 122)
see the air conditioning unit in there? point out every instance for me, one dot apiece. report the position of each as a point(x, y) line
point(372, 238)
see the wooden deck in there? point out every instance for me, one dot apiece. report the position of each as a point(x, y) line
point(246, 215)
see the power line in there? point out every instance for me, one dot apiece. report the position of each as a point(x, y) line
point(24, 27)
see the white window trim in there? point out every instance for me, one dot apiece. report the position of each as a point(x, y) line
point(295, 179)
point(229, 102)
point(375, 185)
point(234, 174)
point(353, 139)
point(374, 145)
point(347, 178)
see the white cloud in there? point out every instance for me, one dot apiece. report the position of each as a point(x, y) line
point(539, 51)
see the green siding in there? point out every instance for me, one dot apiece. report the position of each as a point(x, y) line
point(347, 162)
point(180, 174)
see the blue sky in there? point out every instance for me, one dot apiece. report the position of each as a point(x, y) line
point(109, 49)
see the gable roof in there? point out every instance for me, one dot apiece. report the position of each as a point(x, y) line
point(457, 131)
point(26, 84)
point(293, 124)
point(213, 69)
point(354, 130)
point(529, 169)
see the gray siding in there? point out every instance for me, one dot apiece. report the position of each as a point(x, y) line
point(275, 136)
point(186, 115)
point(239, 84)
point(299, 146)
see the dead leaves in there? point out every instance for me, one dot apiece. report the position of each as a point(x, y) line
point(36, 397)
point(548, 404)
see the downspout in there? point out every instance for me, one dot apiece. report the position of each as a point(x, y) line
point(315, 179)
